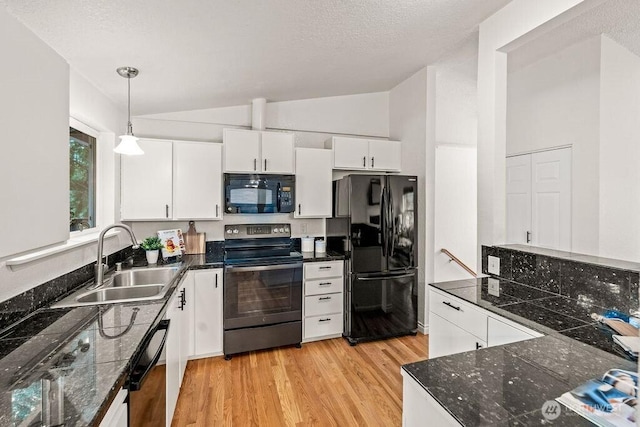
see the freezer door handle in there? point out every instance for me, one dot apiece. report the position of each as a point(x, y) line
point(390, 276)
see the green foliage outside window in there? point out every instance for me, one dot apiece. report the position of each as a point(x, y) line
point(82, 160)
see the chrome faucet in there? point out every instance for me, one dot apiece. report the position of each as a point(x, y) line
point(100, 266)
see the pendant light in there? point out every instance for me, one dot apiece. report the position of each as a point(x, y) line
point(128, 143)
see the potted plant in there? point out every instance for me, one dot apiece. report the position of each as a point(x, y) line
point(151, 245)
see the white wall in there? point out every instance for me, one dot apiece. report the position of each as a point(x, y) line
point(555, 102)
point(619, 153)
point(408, 123)
point(34, 138)
point(85, 104)
point(456, 213)
point(514, 22)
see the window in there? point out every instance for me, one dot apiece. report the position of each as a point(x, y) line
point(82, 180)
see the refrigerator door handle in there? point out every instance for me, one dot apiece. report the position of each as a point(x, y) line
point(388, 276)
point(383, 224)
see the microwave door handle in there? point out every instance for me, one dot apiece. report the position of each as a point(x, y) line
point(278, 198)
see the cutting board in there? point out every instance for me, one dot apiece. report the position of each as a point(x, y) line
point(194, 242)
point(622, 327)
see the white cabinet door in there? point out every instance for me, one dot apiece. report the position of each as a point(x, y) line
point(172, 346)
point(350, 153)
point(551, 199)
point(499, 333)
point(277, 152)
point(241, 150)
point(146, 190)
point(197, 182)
point(186, 327)
point(116, 415)
point(445, 338)
point(420, 409)
point(385, 155)
point(313, 183)
point(539, 199)
point(207, 312)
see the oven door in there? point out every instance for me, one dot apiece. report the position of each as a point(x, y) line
point(259, 295)
point(250, 194)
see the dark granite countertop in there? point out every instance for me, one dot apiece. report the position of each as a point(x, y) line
point(73, 350)
point(327, 256)
point(507, 385)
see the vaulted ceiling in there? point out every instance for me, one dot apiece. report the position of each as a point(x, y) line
point(196, 54)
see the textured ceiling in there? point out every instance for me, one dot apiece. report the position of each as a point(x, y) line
point(618, 19)
point(208, 53)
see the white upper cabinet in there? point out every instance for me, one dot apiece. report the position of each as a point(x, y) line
point(277, 152)
point(313, 183)
point(172, 180)
point(241, 150)
point(249, 151)
point(195, 174)
point(385, 155)
point(147, 182)
point(365, 154)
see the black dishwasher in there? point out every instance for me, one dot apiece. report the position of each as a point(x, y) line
point(147, 381)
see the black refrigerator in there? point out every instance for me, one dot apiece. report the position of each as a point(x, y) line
point(374, 222)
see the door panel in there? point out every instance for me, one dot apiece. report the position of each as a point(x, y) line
point(401, 225)
point(367, 211)
point(382, 307)
point(241, 150)
point(551, 189)
point(277, 152)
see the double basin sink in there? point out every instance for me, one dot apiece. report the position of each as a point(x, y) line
point(137, 284)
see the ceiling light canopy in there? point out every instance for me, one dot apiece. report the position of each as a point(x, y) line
point(128, 143)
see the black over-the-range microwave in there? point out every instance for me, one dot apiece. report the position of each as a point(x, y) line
point(253, 194)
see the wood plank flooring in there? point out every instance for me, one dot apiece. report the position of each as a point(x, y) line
point(325, 383)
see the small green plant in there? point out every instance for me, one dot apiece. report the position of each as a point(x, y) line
point(151, 243)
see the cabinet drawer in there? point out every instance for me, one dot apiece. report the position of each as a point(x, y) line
point(319, 270)
point(459, 313)
point(323, 304)
point(318, 326)
point(323, 286)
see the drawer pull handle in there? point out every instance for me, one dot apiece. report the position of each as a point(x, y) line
point(478, 346)
point(447, 303)
point(325, 320)
point(326, 267)
point(324, 283)
point(323, 298)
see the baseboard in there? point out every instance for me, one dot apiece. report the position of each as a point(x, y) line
point(424, 329)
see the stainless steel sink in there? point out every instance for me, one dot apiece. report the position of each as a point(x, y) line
point(137, 277)
point(106, 295)
point(138, 284)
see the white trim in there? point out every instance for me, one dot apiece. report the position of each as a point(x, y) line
point(424, 329)
point(75, 242)
point(540, 150)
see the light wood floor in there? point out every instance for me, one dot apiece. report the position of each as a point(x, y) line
point(325, 383)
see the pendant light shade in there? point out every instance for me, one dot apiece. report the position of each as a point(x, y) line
point(128, 143)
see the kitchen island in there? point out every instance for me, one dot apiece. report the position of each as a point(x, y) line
point(508, 384)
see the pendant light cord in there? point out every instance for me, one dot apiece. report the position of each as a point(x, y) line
point(129, 125)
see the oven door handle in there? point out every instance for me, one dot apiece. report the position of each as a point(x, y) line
point(135, 381)
point(263, 267)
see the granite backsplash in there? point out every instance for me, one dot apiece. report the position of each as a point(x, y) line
point(610, 287)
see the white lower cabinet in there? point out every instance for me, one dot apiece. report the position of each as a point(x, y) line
point(207, 313)
point(323, 301)
point(449, 338)
point(117, 415)
point(180, 315)
point(419, 408)
point(456, 326)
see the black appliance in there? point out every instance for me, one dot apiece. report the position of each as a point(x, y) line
point(262, 288)
point(374, 221)
point(252, 194)
point(147, 398)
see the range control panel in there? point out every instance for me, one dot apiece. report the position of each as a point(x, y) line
point(243, 231)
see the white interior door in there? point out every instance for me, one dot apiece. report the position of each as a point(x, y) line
point(518, 182)
point(551, 199)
